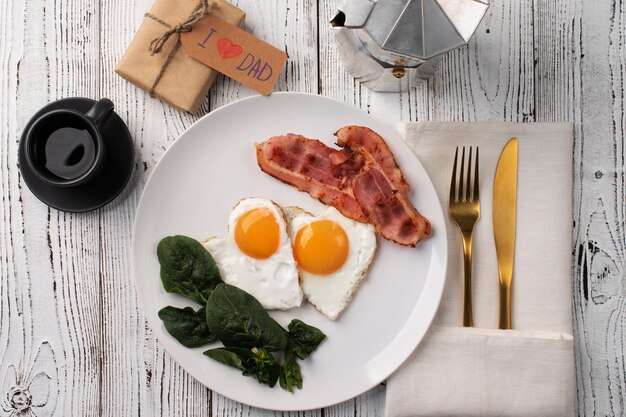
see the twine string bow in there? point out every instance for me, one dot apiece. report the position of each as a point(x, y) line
point(202, 9)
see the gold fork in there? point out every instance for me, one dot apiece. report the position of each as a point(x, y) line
point(464, 210)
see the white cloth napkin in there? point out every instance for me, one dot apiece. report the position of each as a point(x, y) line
point(481, 371)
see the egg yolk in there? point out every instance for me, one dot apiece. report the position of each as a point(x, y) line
point(257, 233)
point(321, 247)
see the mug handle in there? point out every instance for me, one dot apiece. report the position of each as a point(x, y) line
point(100, 112)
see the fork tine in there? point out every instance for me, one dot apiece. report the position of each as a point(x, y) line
point(453, 181)
point(462, 190)
point(476, 195)
point(468, 186)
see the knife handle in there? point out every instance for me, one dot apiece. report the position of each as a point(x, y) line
point(468, 317)
point(505, 304)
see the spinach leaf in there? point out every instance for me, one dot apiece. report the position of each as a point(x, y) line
point(239, 320)
point(263, 367)
point(187, 326)
point(303, 338)
point(290, 376)
point(187, 268)
point(229, 356)
point(258, 363)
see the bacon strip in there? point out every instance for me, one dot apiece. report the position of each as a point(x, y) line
point(389, 211)
point(361, 180)
point(375, 151)
point(307, 165)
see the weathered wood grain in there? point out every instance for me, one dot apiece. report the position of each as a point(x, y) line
point(599, 279)
point(580, 77)
point(51, 311)
point(492, 77)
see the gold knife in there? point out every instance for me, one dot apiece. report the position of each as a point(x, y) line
point(504, 220)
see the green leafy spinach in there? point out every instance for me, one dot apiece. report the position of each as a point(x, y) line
point(290, 376)
point(187, 326)
point(187, 268)
point(303, 338)
point(239, 320)
point(255, 362)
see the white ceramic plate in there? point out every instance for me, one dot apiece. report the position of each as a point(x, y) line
point(211, 167)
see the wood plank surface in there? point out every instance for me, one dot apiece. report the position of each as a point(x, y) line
point(599, 279)
point(580, 78)
point(135, 370)
point(492, 77)
point(72, 331)
point(51, 311)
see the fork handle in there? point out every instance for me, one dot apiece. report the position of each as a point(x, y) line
point(468, 317)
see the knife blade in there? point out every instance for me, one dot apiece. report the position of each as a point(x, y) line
point(504, 222)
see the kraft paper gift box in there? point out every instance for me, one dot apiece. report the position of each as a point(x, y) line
point(178, 80)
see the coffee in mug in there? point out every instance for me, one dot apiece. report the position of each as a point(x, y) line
point(65, 147)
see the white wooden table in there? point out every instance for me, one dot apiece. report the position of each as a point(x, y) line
point(71, 329)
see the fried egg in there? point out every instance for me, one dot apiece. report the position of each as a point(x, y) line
point(333, 254)
point(257, 256)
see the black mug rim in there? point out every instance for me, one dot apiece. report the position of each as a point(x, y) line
point(93, 130)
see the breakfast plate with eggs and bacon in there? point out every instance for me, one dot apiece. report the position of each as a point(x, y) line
point(318, 211)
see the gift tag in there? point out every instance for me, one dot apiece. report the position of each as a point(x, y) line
point(235, 53)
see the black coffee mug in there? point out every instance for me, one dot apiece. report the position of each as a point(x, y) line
point(65, 147)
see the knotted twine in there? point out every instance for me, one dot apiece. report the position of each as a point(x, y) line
point(202, 9)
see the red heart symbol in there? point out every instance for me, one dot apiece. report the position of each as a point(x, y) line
point(228, 49)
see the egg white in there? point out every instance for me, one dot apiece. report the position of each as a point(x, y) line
point(273, 281)
point(330, 294)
